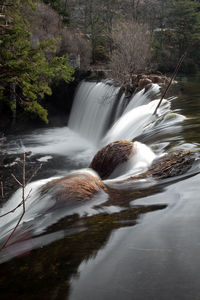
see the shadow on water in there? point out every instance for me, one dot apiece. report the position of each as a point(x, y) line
point(45, 273)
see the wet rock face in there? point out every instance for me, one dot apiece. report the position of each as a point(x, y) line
point(170, 165)
point(143, 82)
point(74, 187)
point(110, 156)
point(140, 81)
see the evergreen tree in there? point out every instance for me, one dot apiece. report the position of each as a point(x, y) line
point(25, 71)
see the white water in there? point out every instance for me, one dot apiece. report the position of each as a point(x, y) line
point(39, 207)
point(92, 109)
point(133, 122)
point(139, 162)
point(142, 98)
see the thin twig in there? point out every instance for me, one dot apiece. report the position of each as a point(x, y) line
point(9, 237)
point(16, 180)
point(2, 191)
point(14, 209)
point(34, 173)
point(24, 199)
point(24, 182)
point(20, 204)
point(170, 82)
point(11, 211)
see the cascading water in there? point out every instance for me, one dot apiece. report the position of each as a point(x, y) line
point(92, 109)
point(94, 106)
point(133, 122)
point(142, 97)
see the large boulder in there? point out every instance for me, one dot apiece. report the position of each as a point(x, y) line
point(110, 156)
point(79, 186)
point(121, 158)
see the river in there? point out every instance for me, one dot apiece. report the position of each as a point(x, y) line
point(142, 244)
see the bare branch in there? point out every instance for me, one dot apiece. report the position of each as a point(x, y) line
point(20, 204)
point(132, 50)
point(13, 231)
point(24, 198)
point(2, 192)
point(34, 173)
point(17, 180)
point(11, 211)
point(28, 195)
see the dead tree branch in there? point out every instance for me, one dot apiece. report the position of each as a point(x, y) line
point(2, 191)
point(23, 185)
point(170, 82)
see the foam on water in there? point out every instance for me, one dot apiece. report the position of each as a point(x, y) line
point(139, 162)
point(133, 122)
point(142, 97)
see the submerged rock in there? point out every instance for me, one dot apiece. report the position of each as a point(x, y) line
point(84, 185)
point(109, 161)
point(80, 186)
point(120, 157)
point(110, 156)
point(170, 165)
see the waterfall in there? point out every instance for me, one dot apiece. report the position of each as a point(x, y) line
point(97, 105)
point(92, 109)
point(100, 115)
point(132, 123)
point(142, 97)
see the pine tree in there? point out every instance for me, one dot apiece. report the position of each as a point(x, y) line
point(27, 71)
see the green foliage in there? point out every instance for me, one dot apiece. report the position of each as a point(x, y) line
point(31, 69)
point(35, 109)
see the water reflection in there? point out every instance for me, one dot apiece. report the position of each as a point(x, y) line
point(158, 259)
point(45, 273)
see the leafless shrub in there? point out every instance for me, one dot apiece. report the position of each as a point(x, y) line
point(45, 23)
point(22, 203)
point(132, 50)
point(73, 42)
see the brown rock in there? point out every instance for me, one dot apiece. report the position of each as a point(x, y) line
point(143, 82)
point(157, 79)
point(109, 157)
point(170, 165)
point(76, 187)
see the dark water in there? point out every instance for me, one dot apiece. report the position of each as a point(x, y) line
point(145, 245)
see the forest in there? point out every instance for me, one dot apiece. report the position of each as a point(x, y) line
point(43, 42)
